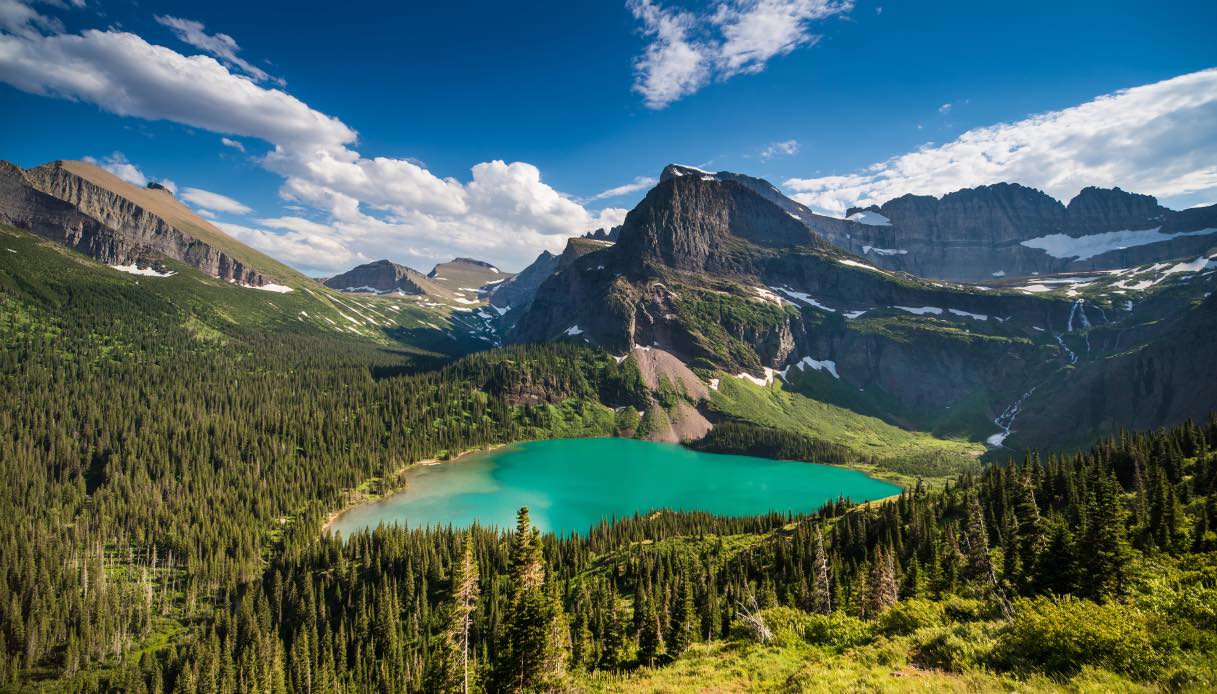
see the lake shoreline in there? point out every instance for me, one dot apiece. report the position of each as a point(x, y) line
point(361, 499)
point(356, 499)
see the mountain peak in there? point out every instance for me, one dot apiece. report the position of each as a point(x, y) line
point(678, 170)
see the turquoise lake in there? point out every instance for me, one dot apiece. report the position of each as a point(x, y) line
point(569, 485)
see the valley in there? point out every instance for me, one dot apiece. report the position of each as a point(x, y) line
point(717, 419)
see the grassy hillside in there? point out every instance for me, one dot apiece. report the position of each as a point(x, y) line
point(888, 450)
point(212, 308)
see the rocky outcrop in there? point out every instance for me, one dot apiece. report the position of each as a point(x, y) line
point(385, 276)
point(25, 207)
point(117, 224)
point(1096, 210)
point(695, 223)
point(518, 291)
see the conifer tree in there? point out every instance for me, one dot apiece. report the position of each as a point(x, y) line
point(532, 656)
point(684, 619)
point(1105, 540)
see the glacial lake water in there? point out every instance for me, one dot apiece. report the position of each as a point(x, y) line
point(569, 485)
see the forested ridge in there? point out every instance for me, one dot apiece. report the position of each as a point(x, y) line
point(168, 472)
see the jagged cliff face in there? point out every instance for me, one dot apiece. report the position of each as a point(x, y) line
point(1002, 231)
point(725, 278)
point(1008, 230)
point(116, 223)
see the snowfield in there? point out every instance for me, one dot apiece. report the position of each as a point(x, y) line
point(1085, 247)
point(133, 270)
point(869, 218)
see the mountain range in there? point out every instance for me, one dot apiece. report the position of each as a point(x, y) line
point(994, 314)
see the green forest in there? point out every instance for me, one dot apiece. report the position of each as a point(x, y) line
point(169, 471)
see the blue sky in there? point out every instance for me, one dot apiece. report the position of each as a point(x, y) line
point(423, 132)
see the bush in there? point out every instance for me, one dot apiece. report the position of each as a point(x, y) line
point(836, 631)
point(912, 614)
point(968, 610)
point(955, 648)
point(1060, 635)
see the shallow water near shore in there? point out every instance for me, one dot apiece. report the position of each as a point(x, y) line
point(570, 485)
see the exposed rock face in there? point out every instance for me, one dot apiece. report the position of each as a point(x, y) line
point(979, 233)
point(694, 223)
point(716, 271)
point(518, 291)
point(25, 207)
point(604, 234)
point(116, 223)
point(1096, 210)
point(385, 276)
point(976, 234)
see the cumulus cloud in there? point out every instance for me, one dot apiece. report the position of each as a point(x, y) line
point(118, 165)
point(1158, 138)
point(368, 207)
point(221, 46)
point(168, 185)
point(235, 144)
point(785, 148)
point(213, 202)
point(945, 108)
point(688, 50)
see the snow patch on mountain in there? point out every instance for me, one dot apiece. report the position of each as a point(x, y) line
point(133, 270)
point(883, 251)
point(1086, 247)
point(870, 218)
point(805, 298)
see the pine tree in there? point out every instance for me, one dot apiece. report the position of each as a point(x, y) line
point(650, 636)
point(532, 656)
point(684, 619)
point(1030, 530)
point(1105, 540)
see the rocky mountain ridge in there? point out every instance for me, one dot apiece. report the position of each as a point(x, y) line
point(92, 211)
point(1001, 230)
point(382, 276)
point(729, 280)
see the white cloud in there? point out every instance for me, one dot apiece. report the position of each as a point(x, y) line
point(18, 17)
point(123, 74)
point(221, 46)
point(213, 202)
point(118, 165)
point(673, 65)
point(785, 148)
point(1158, 138)
point(370, 206)
point(688, 50)
point(639, 183)
point(945, 108)
point(235, 144)
point(169, 185)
